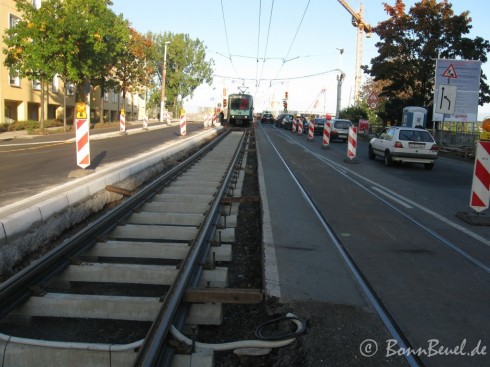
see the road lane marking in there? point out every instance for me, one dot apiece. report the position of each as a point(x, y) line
point(392, 197)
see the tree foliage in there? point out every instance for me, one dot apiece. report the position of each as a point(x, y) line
point(88, 45)
point(409, 45)
point(187, 67)
point(29, 50)
point(77, 39)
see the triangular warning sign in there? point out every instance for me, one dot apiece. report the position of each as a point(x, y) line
point(450, 72)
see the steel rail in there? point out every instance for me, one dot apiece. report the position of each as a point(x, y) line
point(21, 286)
point(154, 350)
point(388, 320)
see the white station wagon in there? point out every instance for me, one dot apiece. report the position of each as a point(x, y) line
point(405, 145)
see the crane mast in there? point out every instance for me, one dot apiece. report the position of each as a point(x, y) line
point(358, 22)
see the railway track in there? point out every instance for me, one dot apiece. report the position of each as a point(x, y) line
point(414, 243)
point(109, 295)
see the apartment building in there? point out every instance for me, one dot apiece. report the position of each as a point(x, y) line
point(20, 99)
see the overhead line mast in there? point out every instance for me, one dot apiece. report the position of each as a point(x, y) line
point(357, 21)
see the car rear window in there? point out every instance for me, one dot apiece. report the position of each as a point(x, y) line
point(412, 135)
point(342, 124)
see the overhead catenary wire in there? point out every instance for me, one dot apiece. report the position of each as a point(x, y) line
point(280, 79)
point(258, 47)
point(226, 37)
point(266, 44)
point(294, 39)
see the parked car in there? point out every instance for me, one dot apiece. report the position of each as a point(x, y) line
point(285, 121)
point(340, 129)
point(405, 145)
point(267, 118)
point(319, 126)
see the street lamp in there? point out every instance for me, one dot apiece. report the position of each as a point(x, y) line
point(340, 79)
point(164, 75)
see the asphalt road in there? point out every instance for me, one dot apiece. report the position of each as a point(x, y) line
point(399, 225)
point(31, 165)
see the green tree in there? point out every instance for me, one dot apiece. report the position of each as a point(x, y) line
point(29, 50)
point(77, 39)
point(134, 69)
point(187, 67)
point(409, 46)
point(355, 112)
point(96, 37)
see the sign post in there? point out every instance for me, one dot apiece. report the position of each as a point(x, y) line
point(122, 121)
point(480, 187)
point(183, 127)
point(82, 136)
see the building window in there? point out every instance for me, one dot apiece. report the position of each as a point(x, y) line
point(114, 97)
point(106, 96)
point(14, 81)
point(36, 84)
point(56, 84)
point(13, 20)
point(70, 89)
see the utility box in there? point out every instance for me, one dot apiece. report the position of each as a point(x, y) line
point(414, 116)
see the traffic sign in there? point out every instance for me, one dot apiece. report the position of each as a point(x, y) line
point(82, 136)
point(373, 98)
point(465, 75)
point(446, 99)
point(450, 72)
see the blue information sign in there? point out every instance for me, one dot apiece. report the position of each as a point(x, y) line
point(456, 89)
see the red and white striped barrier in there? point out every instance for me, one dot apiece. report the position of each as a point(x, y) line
point(183, 123)
point(480, 188)
point(311, 130)
point(352, 146)
point(145, 122)
point(207, 120)
point(122, 122)
point(293, 128)
point(82, 136)
point(327, 129)
point(300, 127)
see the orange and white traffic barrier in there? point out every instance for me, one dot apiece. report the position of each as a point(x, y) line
point(300, 127)
point(293, 128)
point(311, 130)
point(352, 145)
point(480, 194)
point(205, 122)
point(82, 136)
point(122, 121)
point(183, 127)
point(327, 128)
point(145, 122)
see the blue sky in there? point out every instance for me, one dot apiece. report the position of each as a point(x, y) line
point(302, 38)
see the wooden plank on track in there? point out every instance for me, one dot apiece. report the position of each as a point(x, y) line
point(224, 295)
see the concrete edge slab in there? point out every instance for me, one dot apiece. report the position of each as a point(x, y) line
point(271, 274)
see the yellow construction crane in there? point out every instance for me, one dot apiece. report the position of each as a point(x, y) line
point(362, 27)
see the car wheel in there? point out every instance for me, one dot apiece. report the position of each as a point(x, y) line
point(429, 165)
point(388, 160)
point(371, 153)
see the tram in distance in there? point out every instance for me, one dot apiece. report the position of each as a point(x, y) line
point(240, 110)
